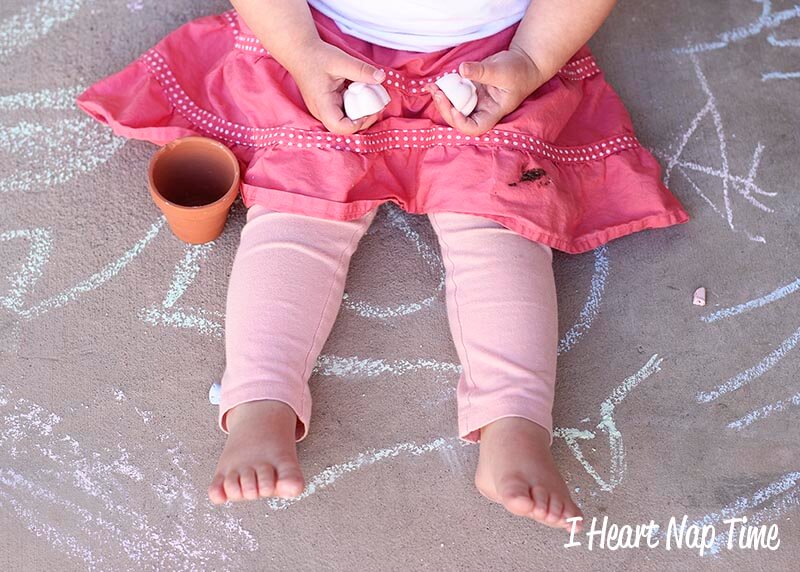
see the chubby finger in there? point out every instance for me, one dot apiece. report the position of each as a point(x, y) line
point(443, 106)
point(347, 67)
point(368, 121)
point(451, 115)
point(485, 72)
point(463, 123)
point(363, 123)
point(331, 113)
point(478, 123)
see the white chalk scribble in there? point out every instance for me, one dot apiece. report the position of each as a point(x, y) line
point(744, 186)
point(104, 528)
point(764, 365)
point(330, 475)
point(773, 296)
point(591, 307)
point(767, 20)
point(34, 22)
point(331, 365)
point(768, 361)
point(51, 151)
point(45, 99)
point(764, 412)
point(752, 373)
point(24, 280)
point(54, 154)
point(191, 318)
point(608, 426)
point(400, 220)
point(766, 505)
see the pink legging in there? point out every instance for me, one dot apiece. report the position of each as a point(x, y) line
point(287, 284)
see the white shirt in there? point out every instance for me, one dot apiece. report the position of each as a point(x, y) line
point(419, 26)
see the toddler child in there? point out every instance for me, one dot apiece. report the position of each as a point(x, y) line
point(548, 159)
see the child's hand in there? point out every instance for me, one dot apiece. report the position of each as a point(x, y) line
point(503, 80)
point(321, 74)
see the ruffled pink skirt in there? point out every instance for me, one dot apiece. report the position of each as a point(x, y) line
point(564, 169)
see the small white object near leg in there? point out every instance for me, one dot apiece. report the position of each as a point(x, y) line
point(461, 92)
point(214, 393)
point(362, 99)
point(699, 297)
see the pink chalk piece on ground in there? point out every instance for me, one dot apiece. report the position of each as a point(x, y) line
point(362, 99)
point(699, 297)
point(461, 92)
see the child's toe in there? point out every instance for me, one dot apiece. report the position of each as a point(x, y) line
point(541, 499)
point(231, 486)
point(515, 496)
point(216, 494)
point(571, 510)
point(290, 481)
point(554, 511)
point(247, 480)
point(265, 474)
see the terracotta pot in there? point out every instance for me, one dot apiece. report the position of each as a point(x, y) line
point(194, 181)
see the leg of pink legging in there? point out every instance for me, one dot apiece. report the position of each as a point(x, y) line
point(502, 308)
point(284, 294)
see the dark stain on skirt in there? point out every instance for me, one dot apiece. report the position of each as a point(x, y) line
point(532, 175)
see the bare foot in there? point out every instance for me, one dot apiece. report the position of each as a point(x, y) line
point(260, 457)
point(517, 470)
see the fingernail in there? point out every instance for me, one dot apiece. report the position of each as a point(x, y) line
point(379, 75)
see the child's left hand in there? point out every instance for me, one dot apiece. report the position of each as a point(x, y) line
point(503, 80)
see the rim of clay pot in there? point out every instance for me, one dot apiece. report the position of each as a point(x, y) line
point(205, 141)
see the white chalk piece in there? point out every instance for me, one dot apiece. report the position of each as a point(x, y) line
point(699, 297)
point(362, 99)
point(461, 92)
point(214, 393)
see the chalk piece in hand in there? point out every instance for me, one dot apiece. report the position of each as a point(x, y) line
point(362, 99)
point(699, 297)
point(214, 393)
point(461, 92)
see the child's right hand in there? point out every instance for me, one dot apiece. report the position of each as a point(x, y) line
point(321, 73)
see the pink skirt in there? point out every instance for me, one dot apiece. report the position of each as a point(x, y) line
point(564, 169)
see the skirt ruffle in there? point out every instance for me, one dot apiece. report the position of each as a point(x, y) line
point(564, 169)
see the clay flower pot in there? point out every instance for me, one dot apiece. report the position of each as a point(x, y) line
point(194, 181)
